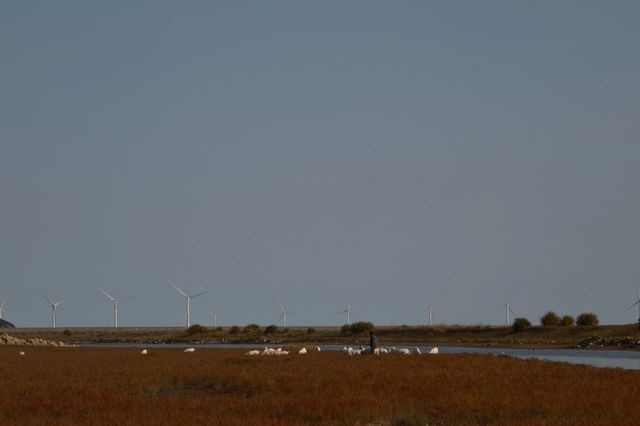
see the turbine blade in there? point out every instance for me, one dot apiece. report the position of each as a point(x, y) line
point(126, 298)
point(45, 298)
point(440, 295)
point(107, 294)
point(281, 307)
point(178, 288)
point(3, 300)
point(638, 301)
point(203, 293)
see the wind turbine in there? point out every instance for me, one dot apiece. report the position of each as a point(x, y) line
point(348, 312)
point(283, 315)
point(54, 307)
point(430, 308)
point(188, 300)
point(629, 308)
point(116, 302)
point(507, 310)
point(2, 307)
point(507, 307)
point(214, 316)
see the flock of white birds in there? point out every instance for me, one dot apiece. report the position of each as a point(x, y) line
point(349, 351)
point(345, 350)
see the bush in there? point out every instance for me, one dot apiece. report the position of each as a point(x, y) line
point(67, 332)
point(251, 327)
point(196, 329)
point(520, 324)
point(311, 330)
point(219, 329)
point(357, 327)
point(271, 329)
point(587, 318)
point(567, 321)
point(550, 319)
point(234, 329)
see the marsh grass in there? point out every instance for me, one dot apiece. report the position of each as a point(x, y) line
point(63, 386)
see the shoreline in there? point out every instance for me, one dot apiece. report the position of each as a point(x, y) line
point(617, 337)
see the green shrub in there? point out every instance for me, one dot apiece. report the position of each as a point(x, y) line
point(67, 332)
point(196, 329)
point(520, 324)
point(357, 327)
point(251, 328)
point(234, 329)
point(219, 329)
point(587, 318)
point(271, 329)
point(550, 319)
point(311, 330)
point(567, 321)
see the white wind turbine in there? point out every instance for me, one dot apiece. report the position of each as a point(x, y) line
point(54, 307)
point(430, 308)
point(283, 315)
point(507, 310)
point(507, 307)
point(214, 317)
point(2, 308)
point(188, 300)
point(348, 312)
point(637, 303)
point(116, 302)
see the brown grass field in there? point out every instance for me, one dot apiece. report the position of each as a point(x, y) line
point(63, 386)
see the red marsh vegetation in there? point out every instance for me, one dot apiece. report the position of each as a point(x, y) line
point(63, 386)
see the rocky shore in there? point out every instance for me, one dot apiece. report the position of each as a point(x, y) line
point(8, 340)
point(601, 342)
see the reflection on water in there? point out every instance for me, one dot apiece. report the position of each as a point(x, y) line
point(613, 359)
point(619, 359)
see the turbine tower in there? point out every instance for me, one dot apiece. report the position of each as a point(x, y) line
point(629, 308)
point(348, 312)
point(188, 300)
point(54, 307)
point(507, 307)
point(430, 308)
point(116, 302)
point(507, 310)
point(2, 308)
point(283, 315)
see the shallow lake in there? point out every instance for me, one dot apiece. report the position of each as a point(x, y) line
point(599, 358)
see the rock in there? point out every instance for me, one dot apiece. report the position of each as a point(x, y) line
point(8, 340)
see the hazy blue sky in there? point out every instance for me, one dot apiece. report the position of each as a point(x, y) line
point(319, 153)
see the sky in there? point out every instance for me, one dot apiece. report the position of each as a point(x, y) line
point(386, 154)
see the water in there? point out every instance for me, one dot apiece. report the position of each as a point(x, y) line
point(600, 358)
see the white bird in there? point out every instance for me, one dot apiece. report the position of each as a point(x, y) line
point(418, 350)
point(318, 349)
point(383, 350)
point(434, 350)
point(302, 351)
point(21, 353)
point(143, 352)
point(253, 352)
point(190, 350)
